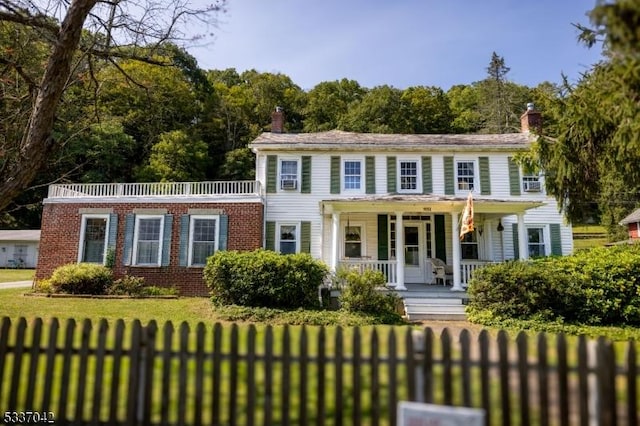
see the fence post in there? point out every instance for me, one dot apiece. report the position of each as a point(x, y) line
point(418, 352)
point(594, 396)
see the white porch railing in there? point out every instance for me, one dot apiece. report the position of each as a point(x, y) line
point(388, 267)
point(154, 189)
point(468, 267)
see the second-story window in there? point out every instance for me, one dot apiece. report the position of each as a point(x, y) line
point(466, 176)
point(531, 183)
point(352, 174)
point(408, 175)
point(288, 174)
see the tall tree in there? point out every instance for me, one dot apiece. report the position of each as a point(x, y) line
point(114, 29)
point(596, 154)
point(328, 102)
point(501, 101)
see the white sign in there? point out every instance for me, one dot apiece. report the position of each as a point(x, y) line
point(420, 414)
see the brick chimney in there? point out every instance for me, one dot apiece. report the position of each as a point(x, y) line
point(277, 120)
point(531, 120)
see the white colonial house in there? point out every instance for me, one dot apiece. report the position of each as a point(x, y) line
point(381, 201)
point(393, 202)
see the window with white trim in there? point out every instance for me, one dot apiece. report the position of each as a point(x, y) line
point(352, 176)
point(409, 176)
point(531, 183)
point(535, 238)
point(288, 174)
point(93, 238)
point(353, 241)
point(203, 238)
point(288, 238)
point(147, 240)
point(465, 175)
point(469, 246)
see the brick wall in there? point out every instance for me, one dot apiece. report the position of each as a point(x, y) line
point(60, 234)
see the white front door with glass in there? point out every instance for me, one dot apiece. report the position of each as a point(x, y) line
point(417, 269)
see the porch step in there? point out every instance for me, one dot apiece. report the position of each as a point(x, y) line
point(434, 308)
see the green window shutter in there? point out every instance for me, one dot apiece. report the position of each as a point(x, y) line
point(305, 237)
point(270, 235)
point(305, 186)
point(427, 180)
point(370, 173)
point(449, 177)
point(113, 231)
point(485, 179)
point(223, 232)
point(272, 173)
point(514, 177)
point(516, 241)
point(440, 238)
point(556, 239)
point(383, 237)
point(391, 175)
point(129, 223)
point(335, 175)
point(183, 257)
point(166, 240)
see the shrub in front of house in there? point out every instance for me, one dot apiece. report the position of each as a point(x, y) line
point(600, 286)
point(361, 292)
point(81, 278)
point(264, 278)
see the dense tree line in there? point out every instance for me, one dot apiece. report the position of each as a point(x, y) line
point(149, 113)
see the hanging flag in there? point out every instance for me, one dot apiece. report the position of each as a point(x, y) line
point(466, 225)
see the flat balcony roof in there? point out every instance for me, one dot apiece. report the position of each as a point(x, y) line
point(153, 190)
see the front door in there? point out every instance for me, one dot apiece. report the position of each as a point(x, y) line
point(414, 259)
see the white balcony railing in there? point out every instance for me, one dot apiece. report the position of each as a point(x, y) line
point(388, 267)
point(154, 189)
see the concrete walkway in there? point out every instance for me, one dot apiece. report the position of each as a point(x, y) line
point(16, 284)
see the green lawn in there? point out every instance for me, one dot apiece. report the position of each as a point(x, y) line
point(8, 275)
point(588, 236)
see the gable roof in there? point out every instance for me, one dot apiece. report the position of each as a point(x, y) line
point(20, 235)
point(338, 138)
point(632, 218)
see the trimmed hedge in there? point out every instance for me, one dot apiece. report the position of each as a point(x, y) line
point(81, 278)
point(600, 286)
point(263, 278)
point(360, 292)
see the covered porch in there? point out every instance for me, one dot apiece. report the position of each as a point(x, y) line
point(403, 235)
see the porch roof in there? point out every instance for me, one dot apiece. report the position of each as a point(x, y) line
point(425, 203)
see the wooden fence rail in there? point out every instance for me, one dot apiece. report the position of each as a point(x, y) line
point(117, 373)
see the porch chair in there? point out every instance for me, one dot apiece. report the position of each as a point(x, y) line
point(442, 271)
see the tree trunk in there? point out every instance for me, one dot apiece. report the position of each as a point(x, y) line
point(37, 142)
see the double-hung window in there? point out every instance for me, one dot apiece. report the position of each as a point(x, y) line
point(408, 175)
point(465, 176)
point(352, 175)
point(93, 238)
point(203, 239)
point(147, 243)
point(353, 241)
point(469, 246)
point(288, 174)
point(536, 242)
point(288, 238)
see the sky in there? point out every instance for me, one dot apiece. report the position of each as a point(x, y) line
point(401, 43)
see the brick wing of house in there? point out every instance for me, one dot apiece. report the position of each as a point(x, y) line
point(383, 201)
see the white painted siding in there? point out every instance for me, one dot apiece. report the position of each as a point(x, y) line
point(293, 206)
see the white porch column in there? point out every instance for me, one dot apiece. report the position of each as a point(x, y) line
point(335, 233)
point(400, 252)
point(455, 245)
point(523, 238)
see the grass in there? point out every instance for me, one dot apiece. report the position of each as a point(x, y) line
point(588, 236)
point(8, 275)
